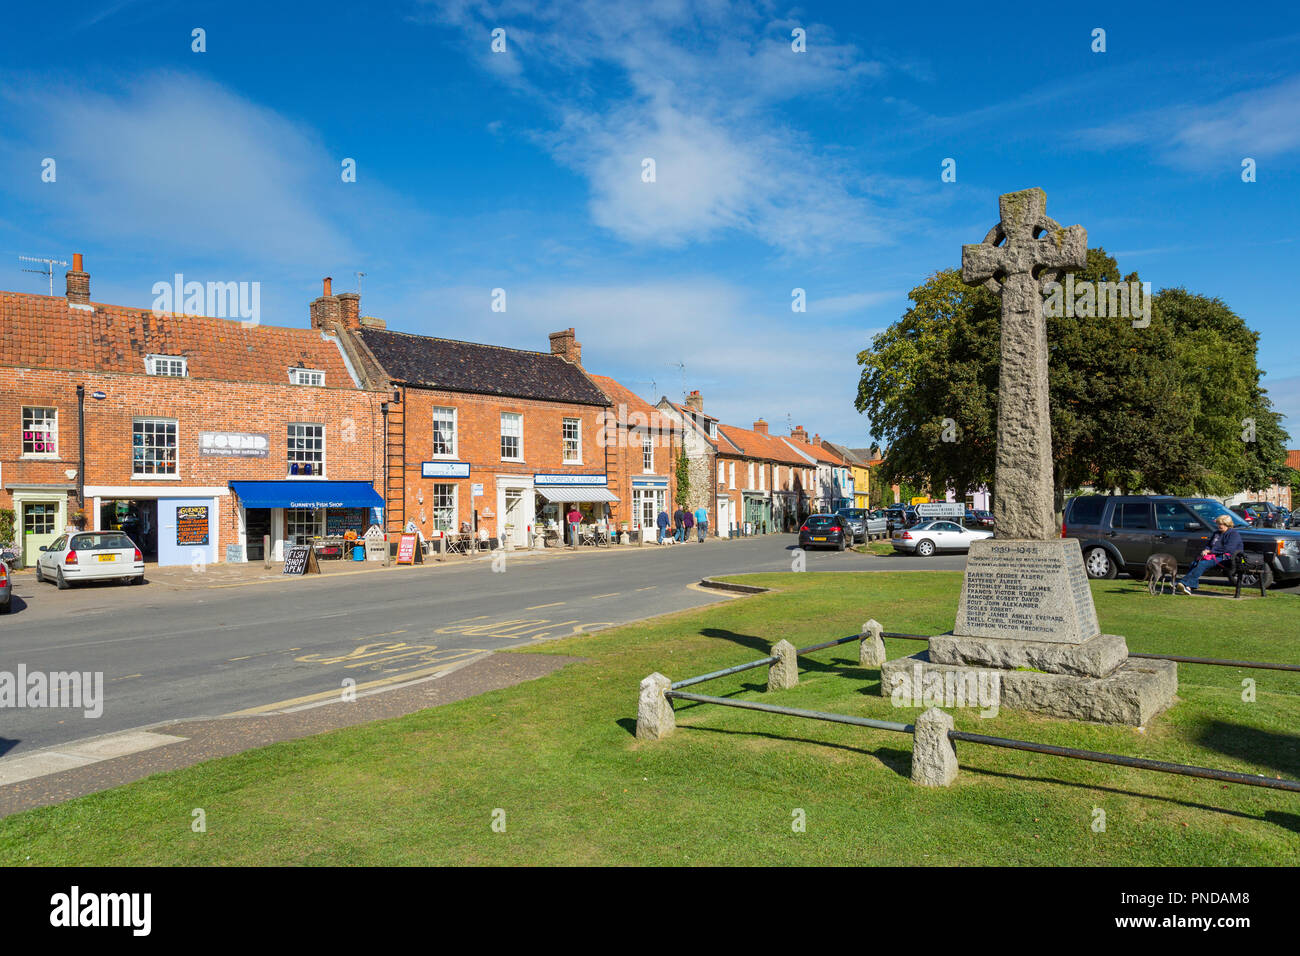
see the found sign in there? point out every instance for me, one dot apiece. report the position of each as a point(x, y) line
point(941, 509)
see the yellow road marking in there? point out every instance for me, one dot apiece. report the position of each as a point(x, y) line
point(538, 607)
point(338, 693)
point(597, 597)
point(231, 660)
point(650, 588)
point(127, 677)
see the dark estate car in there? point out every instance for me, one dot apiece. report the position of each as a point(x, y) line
point(1263, 514)
point(1119, 532)
point(825, 531)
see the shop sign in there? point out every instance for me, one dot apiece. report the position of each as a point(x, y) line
point(300, 559)
point(407, 549)
point(444, 469)
point(233, 445)
point(598, 481)
point(192, 525)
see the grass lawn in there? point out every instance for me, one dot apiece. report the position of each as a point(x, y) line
point(558, 756)
point(875, 547)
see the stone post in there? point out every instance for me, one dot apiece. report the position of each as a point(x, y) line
point(871, 646)
point(934, 760)
point(654, 712)
point(784, 673)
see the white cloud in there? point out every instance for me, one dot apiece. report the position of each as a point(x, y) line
point(180, 160)
point(696, 87)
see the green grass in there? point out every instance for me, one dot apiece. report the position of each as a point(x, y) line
point(558, 756)
point(874, 547)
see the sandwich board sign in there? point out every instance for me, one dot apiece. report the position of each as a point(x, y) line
point(408, 550)
point(941, 509)
point(300, 559)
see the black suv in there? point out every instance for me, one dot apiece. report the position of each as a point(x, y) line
point(1119, 532)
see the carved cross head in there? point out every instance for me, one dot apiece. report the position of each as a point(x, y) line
point(1025, 242)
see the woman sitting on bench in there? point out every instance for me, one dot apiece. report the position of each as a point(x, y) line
point(1224, 546)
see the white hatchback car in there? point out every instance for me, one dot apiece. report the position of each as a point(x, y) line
point(930, 536)
point(90, 555)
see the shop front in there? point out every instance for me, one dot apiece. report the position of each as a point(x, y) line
point(302, 512)
point(649, 497)
point(757, 512)
point(40, 516)
point(171, 526)
point(559, 494)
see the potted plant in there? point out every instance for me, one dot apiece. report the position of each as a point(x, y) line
point(79, 520)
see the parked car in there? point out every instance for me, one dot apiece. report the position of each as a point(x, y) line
point(90, 555)
point(929, 537)
point(825, 531)
point(6, 587)
point(985, 518)
point(1119, 532)
point(865, 524)
point(1246, 514)
point(1267, 514)
point(900, 516)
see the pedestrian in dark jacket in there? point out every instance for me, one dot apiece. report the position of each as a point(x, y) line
point(662, 523)
point(679, 516)
point(1224, 545)
point(688, 522)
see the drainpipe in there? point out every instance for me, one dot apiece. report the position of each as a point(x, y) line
point(81, 442)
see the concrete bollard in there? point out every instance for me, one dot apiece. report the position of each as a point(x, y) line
point(871, 646)
point(934, 759)
point(654, 712)
point(784, 672)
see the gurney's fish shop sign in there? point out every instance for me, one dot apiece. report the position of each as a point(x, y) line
point(233, 445)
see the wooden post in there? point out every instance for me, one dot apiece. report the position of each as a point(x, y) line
point(266, 551)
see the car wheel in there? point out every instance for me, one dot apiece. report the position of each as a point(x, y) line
point(840, 546)
point(60, 580)
point(139, 579)
point(925, 548)
point(40, 577)
point(1099, 564)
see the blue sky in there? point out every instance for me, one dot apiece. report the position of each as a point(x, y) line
point(775, 170)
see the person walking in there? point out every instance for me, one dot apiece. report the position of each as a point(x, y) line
point(688, 522)
point(1224, 545)
point(574, 517)
point(662, 523)
point(702, 522)
point(679, 517)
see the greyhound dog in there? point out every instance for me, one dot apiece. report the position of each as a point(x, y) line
point(1162, 569)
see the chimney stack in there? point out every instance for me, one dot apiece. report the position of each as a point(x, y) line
point(817, 440)
point(799, 434)
point(760, 426)
point(78, 282)
point(350, 309)
point(566, 345)
point(326, 312)
point(695, 401)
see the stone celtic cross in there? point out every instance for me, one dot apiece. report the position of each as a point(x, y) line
point(1018, 256)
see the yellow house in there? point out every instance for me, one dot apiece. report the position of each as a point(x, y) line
point(861, 461)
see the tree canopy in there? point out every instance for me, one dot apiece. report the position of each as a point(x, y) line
point(1174, 406)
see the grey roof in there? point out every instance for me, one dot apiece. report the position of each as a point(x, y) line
point(482, 369)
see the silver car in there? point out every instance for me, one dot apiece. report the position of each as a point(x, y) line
point(929, 537)
point(90, 556)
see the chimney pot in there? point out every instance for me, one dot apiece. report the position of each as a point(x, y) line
point(695, 400)
point(328, 283)
point(76, 262)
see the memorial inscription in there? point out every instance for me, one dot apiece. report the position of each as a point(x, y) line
point(1027, 589)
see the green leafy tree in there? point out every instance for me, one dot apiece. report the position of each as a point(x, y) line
point(683, 495)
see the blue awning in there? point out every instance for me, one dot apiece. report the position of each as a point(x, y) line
point(306, 494)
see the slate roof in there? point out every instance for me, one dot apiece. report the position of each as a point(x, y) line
point(41, 331)
point(455, 366)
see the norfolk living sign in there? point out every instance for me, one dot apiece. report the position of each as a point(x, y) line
point(444, 469)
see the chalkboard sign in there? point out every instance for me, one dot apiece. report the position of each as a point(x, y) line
point(340, 520)
point(192, 525)
point(234, 553)
point(300, 559)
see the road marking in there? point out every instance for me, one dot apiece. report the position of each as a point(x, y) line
point(597, 597)
point(337, 694)
point(80, 753)
point(231, 660)
point(538, 607)
point(127, 677)
point(650, 588)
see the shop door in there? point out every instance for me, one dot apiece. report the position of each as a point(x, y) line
point(256, 524)
point(187, 531)
point(39, 528)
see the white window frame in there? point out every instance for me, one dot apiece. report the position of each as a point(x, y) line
point(176, 449)
point(520, 437)
point(152, 363)
point(647, 454)
point(454, 418)
point(454, 526)
point(22, 421)
point(731, 473)
point(722, 472)
point(311, 377)
point(762, 477)
point(289, 449)
point(564, 440)
point(750, 476)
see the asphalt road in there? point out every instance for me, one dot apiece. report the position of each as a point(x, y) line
point(168, 655)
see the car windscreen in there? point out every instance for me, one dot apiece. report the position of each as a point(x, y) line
point(107, 541)
point(1210, 509)
point(854, 513)
point(822, 521)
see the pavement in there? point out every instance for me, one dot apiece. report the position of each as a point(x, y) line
point(198, 664)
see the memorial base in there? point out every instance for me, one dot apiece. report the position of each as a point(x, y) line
point(1132, 693)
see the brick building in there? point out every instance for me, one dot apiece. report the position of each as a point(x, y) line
point(644, 444)
point(764, 478)
point(833, 486)
point(479, 437)
point(699, 432)
point(190, 433)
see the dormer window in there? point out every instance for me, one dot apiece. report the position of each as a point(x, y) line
point(173, 365)
point(306, 376)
